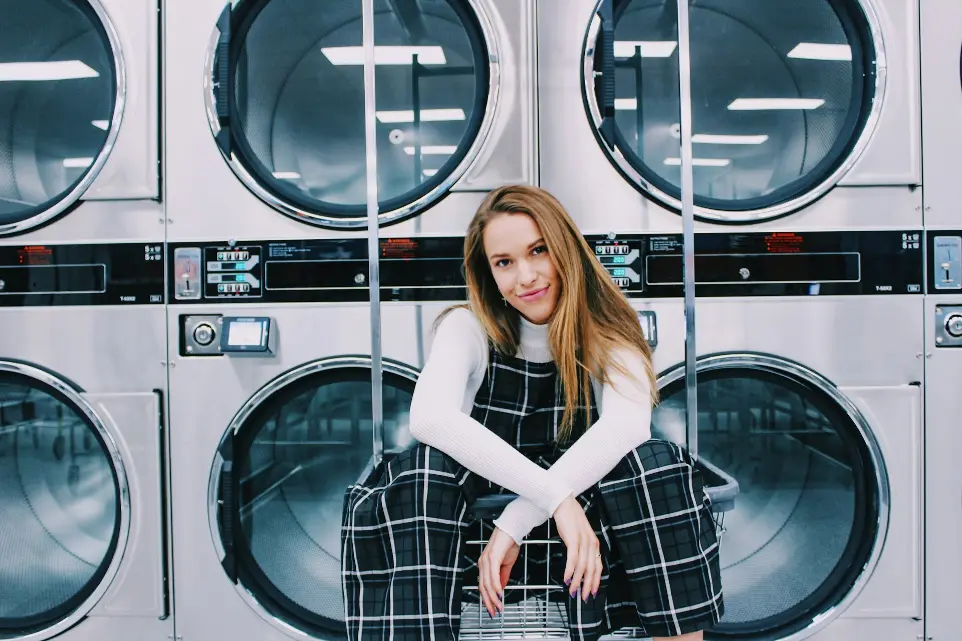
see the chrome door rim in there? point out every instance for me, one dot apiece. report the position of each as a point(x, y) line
point(797, 372)
point(265, 392)
point(78, 402)
point(491, 113)
point(750, 216)
point(71, 197)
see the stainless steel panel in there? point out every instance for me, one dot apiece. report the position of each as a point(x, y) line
point(894, 590)
point(941, 38)
point(894, 155)
point(206, 394)
point(132, 170)
point(102, 221)
point(102, 349)
point(140, 588)
point(943, 483)
point(575, 169)
point(509, 155)
point(823, 334)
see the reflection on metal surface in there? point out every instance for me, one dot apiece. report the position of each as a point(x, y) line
point(56, 138)
point(63, 500)
point(299, 443)
point(812, 511)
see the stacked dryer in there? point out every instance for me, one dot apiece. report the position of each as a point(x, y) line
point(942, 100)
point(809, 270)
point(269, 316)
point(82, 382)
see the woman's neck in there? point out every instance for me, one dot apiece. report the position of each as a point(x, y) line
point(534, 343)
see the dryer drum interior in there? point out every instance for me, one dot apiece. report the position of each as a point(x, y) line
point(61, 505)
point(784, 97)
point(287, 103)
point(280, 490)
point(58, 93)
point(808, 516)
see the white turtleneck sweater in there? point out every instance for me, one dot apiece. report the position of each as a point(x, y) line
point(441, 417)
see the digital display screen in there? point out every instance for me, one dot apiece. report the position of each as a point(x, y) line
point(618, 272)
point(244, 334)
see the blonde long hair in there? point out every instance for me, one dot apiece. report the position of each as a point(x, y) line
point(592, 318)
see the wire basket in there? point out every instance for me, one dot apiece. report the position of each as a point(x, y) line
point(534, 608)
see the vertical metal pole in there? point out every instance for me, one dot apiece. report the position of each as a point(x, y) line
point(373, 249)
point(416, 102)
point(639, 105)
point(688, 227)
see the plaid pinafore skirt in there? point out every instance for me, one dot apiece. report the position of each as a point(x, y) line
point(404, 527)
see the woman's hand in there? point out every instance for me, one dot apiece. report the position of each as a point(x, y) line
point(583, 569)
point(494, 568)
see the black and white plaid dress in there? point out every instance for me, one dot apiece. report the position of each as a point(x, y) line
point(404, 527)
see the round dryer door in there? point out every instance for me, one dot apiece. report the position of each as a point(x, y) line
point(63, 501)
point(287, 103)
point(784, 96)
point(812, 509)
point(59, 104)
point(278, 484)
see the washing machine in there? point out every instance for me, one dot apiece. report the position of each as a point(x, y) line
point(271, 417)
point(265, 100)
point(79, 96)
point(82, 443)
point(805, 115)
point(809, 395)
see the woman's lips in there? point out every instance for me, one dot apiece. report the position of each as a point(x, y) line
point(533, 296)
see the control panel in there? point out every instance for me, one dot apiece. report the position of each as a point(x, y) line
point(216, 335)
point(648, 266)
point(621, 257)
point(947, 262)
point(82, 274)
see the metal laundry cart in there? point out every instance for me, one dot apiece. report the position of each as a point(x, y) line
point(535, 606)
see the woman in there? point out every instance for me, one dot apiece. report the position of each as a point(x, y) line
point(505, 403)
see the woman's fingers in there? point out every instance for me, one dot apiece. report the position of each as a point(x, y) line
point(483, 562)
point(489, 583)
point(595, 566)
point(494, 583)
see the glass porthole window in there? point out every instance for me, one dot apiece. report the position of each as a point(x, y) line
point(278, 486)
point(783, 95)
point(62, 501)
point(811, 511)
point(287, 103)
point(58, 93)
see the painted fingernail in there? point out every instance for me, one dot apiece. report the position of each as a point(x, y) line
point(567, 581)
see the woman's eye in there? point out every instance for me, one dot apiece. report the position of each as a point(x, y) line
point(540, 249)
point(501, 263)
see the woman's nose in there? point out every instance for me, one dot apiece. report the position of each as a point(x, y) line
point(526, 274)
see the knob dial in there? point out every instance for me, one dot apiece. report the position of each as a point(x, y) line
point(953, 325)
point(204, 334)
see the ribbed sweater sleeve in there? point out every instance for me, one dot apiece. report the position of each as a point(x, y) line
point(623, 424)
point(458, 353)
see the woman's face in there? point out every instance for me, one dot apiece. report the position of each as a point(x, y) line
point(518, 257)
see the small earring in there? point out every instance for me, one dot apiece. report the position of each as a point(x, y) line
point(504, 301)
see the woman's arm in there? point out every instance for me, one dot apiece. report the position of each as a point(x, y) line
point(624, 424)
point(460, 350)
